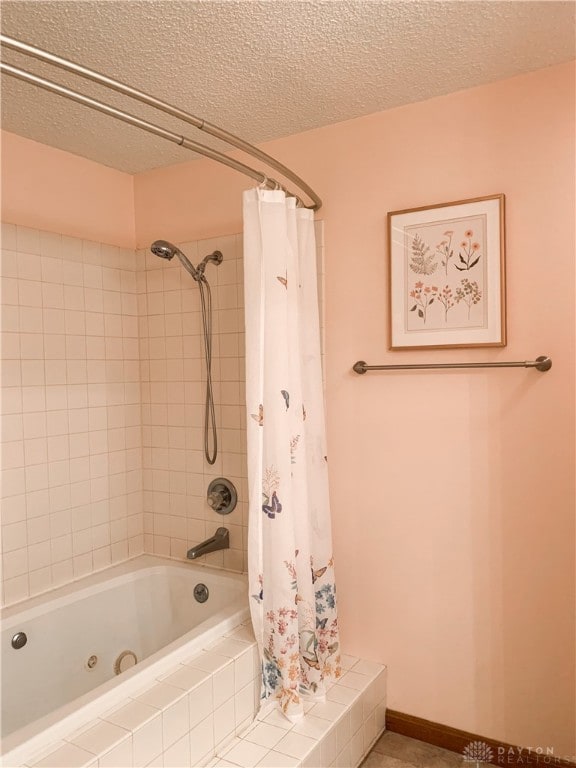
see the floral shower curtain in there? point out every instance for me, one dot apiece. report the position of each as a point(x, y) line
point(290, 564)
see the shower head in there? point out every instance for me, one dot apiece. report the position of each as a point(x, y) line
point(164, 249)
point(167, 250)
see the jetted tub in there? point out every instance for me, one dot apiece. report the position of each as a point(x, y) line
point(81, 641)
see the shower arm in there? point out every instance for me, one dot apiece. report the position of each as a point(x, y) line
point(201, 124)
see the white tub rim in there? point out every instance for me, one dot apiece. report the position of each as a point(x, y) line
point(57, 596)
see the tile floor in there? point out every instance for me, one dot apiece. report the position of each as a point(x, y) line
point(395, 751)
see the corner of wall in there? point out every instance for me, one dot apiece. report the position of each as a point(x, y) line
point(48, 189)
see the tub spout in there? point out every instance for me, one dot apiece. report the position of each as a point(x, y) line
point(220, 540)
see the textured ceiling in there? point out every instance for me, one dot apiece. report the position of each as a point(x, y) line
point(264, 70)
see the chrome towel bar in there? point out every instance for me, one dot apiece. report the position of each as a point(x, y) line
point(542, 363)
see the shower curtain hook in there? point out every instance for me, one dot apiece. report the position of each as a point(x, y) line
point(273, 184)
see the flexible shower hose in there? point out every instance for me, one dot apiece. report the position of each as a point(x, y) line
point(209, 412)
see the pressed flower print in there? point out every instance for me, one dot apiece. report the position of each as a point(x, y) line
point(459, 248)
point(446, 285)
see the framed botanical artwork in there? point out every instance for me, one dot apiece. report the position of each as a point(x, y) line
point(447, 275)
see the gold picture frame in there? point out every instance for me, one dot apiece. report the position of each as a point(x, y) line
point(446, 275)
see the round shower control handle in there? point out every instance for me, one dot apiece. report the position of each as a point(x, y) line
point(218, 498)
point(222, 496)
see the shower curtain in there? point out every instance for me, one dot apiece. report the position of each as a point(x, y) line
point(290, 563)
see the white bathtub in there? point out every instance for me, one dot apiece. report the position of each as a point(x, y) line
point(145, 606)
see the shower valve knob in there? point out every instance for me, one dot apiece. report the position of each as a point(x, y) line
point(222, 496)
point(217, 499)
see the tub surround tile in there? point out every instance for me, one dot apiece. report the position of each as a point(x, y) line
point(314, 758)
point(16, 589)
point(357, 747)
point(278, 760)
point(231, 647)
point(328, 710)
point(371, 668)
point(200, 702)
point(354, 680)
point(347, 662)
point(244, 666)
point(370, 732)
point(344, 758)
point(243, 727)
point(66, 756)
point(100, 737)
point(185, 677)
point(264, 734)
point(119, 757)
point(208, 661)
point(224, 725)
point(276, 718)
point(213, 723)
point(356, 715)
point(315, 727)
point(244, 753)
point(37, 755)
point(178, 754)
point(245, 705)
point(157, 762)
point(175, 722)
point(343, 732)
point(202, 741)
point(223, 684)
point(147, 742)
point(131, 715)
point(342, 695)
point(295, 745)
point(160, 695)
point(329, 748)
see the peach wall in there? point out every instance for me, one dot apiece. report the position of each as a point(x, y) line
point(452, 492)
point(48, 189)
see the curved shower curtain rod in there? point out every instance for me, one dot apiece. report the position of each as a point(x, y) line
point(183, 141)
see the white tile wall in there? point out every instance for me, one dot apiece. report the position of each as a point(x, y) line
point(71, 434)
point(176, 473)
point(103, 385)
